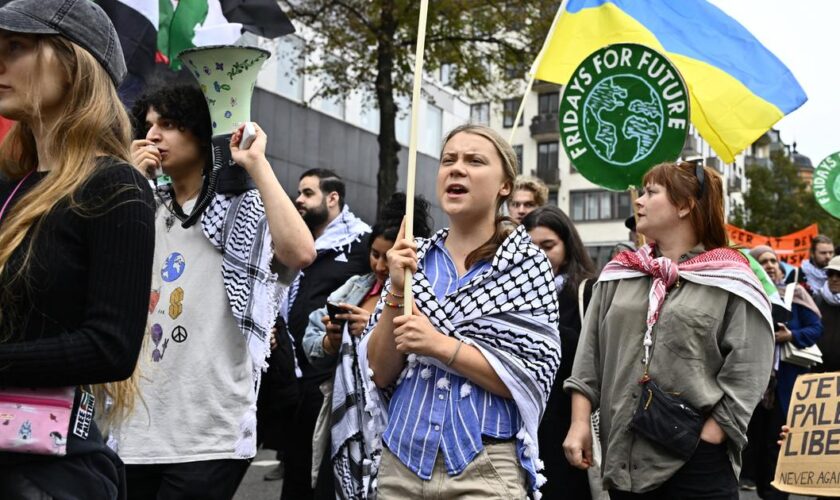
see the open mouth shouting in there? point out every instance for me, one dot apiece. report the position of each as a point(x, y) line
point(456, 191)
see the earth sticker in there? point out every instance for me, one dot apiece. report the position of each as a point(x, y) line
point(624, 110)
point(826, 184)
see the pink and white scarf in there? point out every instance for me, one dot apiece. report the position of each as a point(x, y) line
point(723, 268)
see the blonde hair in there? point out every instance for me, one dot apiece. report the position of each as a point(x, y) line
point(534, 185)
point(92, 122)
point(508, 157)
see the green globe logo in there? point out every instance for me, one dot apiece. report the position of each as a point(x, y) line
point(826, 184)
point(623, 119)
point(624, 109)
point(837, 188)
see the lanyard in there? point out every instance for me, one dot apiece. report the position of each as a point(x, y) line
point(12, 194)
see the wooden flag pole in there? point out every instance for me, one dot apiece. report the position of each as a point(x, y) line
point(412, 146)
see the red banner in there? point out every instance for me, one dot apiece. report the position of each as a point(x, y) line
point(792, 248)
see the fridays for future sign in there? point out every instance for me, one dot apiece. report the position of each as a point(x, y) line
point(625, 109)
point(826, 184)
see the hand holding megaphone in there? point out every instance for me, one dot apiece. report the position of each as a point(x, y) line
point(249, 156)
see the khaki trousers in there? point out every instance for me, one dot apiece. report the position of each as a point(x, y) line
point(493, 474)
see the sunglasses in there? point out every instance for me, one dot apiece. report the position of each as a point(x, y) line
point(700, 173)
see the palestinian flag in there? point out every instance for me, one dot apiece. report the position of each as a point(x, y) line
point(153, 32)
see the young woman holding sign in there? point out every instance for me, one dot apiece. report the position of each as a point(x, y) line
point(677, 335)
point(473, 366)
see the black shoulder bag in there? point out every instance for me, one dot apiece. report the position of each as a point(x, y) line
point(666, 419)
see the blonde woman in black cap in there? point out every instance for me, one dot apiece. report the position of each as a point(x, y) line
point(76, 242)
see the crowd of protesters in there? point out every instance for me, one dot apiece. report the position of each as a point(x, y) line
point(184, 328)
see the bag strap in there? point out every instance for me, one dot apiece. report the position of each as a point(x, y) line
point(581, 291)
point(12, 194)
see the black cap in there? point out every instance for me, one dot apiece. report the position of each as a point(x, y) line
point(80, 21)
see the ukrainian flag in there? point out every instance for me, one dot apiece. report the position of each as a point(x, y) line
point(738, 88)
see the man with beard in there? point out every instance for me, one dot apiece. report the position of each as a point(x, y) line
point(813, 269)
point(342, 248)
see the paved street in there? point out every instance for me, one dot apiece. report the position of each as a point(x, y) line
point(255, 488)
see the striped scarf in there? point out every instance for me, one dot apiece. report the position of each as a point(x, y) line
point(723, 268)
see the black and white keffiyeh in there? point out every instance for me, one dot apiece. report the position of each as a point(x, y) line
point(236, 225)
point(509, 312)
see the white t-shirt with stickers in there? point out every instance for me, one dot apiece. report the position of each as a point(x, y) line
point(195, 372)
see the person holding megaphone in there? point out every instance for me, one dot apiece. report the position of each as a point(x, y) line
point(213, 301)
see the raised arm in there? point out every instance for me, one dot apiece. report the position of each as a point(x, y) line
point(293, 243)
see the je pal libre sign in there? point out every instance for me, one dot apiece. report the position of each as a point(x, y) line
point(809, 461)
point(625, 109)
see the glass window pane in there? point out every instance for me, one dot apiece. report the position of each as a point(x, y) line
point(591, 206)
point(577, 206)
point(432, 130)
point(289, 60)
point(518, 150)
point(624, 209)
point(606, 205)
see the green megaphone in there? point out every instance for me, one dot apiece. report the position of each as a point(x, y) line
point(227, 75)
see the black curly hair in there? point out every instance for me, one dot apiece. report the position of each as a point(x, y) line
point(183, 104)
point(391, 216)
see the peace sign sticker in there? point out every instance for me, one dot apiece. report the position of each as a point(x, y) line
point(179, 334)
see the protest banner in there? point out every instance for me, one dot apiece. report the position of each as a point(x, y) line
point(809, 460)
point(793, 248)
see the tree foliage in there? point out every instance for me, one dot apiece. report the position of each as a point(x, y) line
point(779, 202)
point(368, 46)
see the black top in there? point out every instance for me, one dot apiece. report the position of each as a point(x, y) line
point(319, 280)
point(564, 481)
point(78, 315)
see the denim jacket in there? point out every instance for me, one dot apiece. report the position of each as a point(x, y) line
point(353, 291)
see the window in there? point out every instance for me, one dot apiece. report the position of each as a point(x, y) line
point(510, 107)
point(447, 74)
point(547, 162)
point(553, 197)
point(549, 103)
point(432, 131)
point(517, 149)
point(547, 155)
point(480, 113)
point(600, 205)
point(515, 71)
point(289, 61)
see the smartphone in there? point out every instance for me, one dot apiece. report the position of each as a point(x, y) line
point(334, 309)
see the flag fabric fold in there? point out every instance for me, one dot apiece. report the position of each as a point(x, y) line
point(738, 88)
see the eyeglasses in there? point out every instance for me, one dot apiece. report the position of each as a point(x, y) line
point(700, 173)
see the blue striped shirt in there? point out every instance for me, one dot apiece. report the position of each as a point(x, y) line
point(434, 410)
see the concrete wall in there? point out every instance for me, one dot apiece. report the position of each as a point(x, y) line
point(301, 138)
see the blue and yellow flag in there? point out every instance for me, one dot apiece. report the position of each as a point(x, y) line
point(738, 88)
